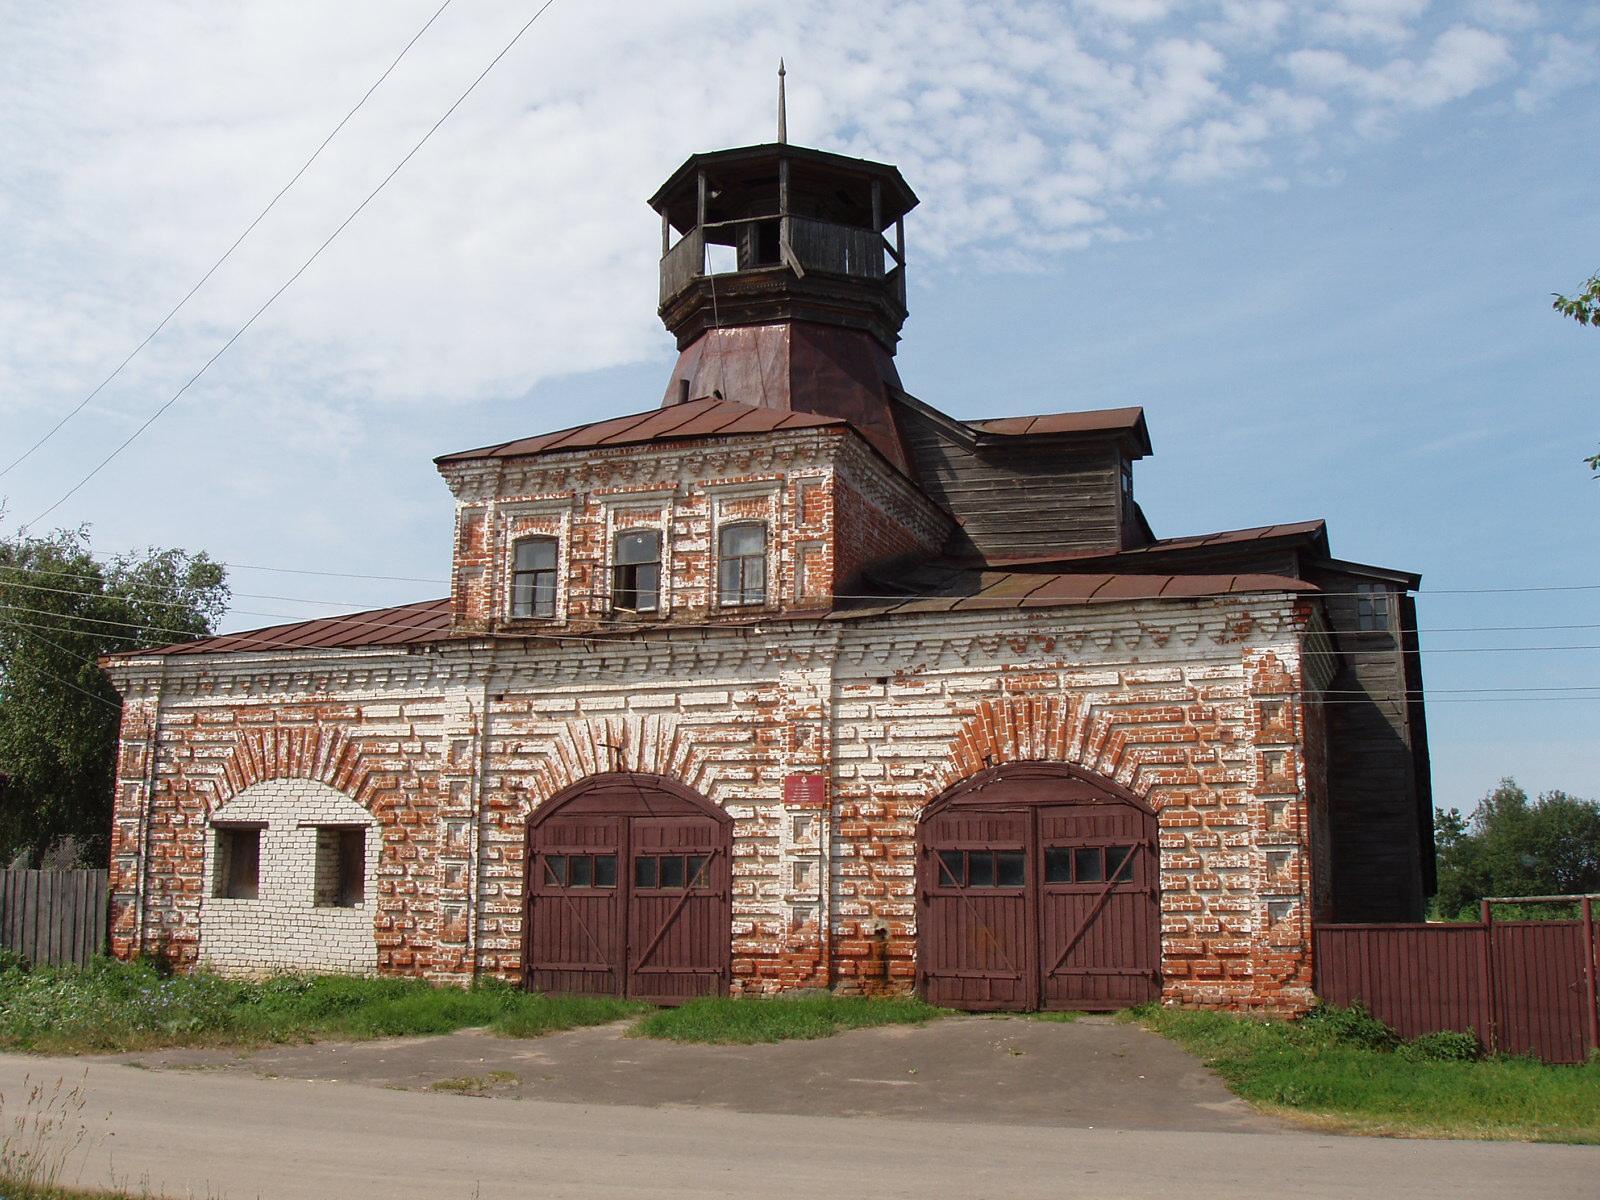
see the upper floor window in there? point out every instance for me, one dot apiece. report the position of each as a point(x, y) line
point(742, 564)
point(636, 571)
point(533, 578)
point(1372, 607)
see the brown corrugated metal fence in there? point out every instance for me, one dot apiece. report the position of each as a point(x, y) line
point(53, 917)
point(1524, 987)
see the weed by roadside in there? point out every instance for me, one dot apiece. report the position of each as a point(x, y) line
point(747, 1020)
point(1342, 1068)
point(110, 1006)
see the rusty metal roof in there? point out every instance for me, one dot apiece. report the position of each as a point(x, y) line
point(1301, 531)
point(403, 625)
point(1102, 420)
point(975, 590)
point(705, 418)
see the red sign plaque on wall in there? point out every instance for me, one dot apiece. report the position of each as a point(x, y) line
point(803, 790)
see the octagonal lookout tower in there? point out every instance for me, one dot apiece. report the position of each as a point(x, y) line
point(783, 280)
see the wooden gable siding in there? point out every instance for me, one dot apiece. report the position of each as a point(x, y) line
point(1035, 497)
point(1374, 789)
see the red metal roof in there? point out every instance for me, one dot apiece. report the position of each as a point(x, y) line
point(704, 418)
point(403, 625)
point(966, 591)
point(1307, 530)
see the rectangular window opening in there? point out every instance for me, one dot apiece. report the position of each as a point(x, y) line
point(340, 876)
point(636, 571)
point(533, 578)
point(237, 874)
point(742, 564)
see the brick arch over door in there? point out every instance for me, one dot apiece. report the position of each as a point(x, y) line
point(1038, 887)
point(1101, 740)
point(629, 891)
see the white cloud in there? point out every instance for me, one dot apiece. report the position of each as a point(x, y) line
point(1460, 61)
point(1566, 64)
point(1387, 21)
point(516, 247)
point(1504, 14)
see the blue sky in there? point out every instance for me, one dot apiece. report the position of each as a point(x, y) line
point(1316, 242)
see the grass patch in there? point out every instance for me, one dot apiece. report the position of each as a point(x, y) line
point(1342, 1069)
point(13, 1189)
point(744, 1021)
point(474, 1085)
point(112, 1006)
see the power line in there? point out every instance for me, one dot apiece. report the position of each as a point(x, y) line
point(356, 606)
point(228, 253)
point(315, 254)
point(28, 631)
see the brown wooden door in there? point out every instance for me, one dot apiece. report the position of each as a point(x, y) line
point(1037, 889)
point(1099, 919)
point(576, 906)
point(679, 921)
point(977, 945)
point(629, 893)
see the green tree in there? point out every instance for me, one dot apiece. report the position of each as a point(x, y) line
point(60, 610)
point(1584, 308)
point(1512, 846)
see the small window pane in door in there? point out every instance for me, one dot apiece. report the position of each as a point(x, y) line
point(1008, 868)
point(671, 871)
point(1116, 856)
point(952, 868)
point(698, 875)
point(555, 866)
point(644, 872)
point(580, 871)
point(1087, 866)
point(605, 870)
point(981, 870)
point(1057, 865)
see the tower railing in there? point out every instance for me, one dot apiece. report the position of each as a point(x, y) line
point(766, 243)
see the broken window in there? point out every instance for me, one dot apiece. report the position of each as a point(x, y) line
point(636, 573)
point(533, 578)
point(237, 872)
point(742, 564)
point(340, 879)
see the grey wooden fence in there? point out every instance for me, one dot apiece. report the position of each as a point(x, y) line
point(53, 917)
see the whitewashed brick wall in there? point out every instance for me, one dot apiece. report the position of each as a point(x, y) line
point(284, 928)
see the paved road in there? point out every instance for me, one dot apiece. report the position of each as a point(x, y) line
point(235, 1136)
point(972, 1070)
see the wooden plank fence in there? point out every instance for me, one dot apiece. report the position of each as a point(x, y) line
point(53, 918)
point(1524, 987)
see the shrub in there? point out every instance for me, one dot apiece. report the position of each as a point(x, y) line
point(1446, 1045)
point(1353, 1026)
point(12, 960)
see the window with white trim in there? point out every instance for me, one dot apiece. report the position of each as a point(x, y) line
point(636, 571)
point(742, 564)
point(533, 577)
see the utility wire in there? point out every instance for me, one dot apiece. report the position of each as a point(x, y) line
point(29, 631)
point(315, 254)
point(228, 253)
point(902, 597)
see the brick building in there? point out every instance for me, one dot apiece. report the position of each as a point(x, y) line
point(795, 680)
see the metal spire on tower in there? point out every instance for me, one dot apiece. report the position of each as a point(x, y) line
point(783, 108)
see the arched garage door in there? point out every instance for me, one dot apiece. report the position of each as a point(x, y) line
point(629, 892)
point(1037, 887)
